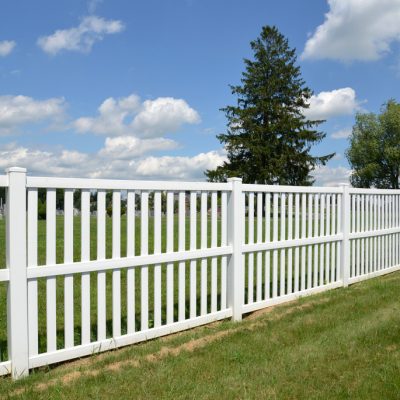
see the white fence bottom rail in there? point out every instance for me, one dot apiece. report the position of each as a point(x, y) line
point(125, 340)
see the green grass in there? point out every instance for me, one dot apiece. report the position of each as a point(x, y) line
point(342, 344)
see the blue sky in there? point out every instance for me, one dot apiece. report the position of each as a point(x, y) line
point(132, 89)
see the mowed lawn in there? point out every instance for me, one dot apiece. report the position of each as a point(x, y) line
point(342, 344)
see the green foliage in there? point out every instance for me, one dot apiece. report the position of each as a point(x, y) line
point(41, 209)
point(268, 139)
point(374, 152)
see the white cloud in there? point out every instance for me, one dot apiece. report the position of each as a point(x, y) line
point(81, 38)
point(180, 167)
point(112, 117)
point(41, 162)
point(335, 103)
point(16, 111)
point(98, 165)
point(164, 114)
point(355, 30)
point(129, 117)
point(6, 47)
point(341, 134)
point(127, 147)
point(92, 5)
point(331, 176)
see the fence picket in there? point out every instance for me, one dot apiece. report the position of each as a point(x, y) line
point(182, 272)
point(69, 257)
point(275, 252)
point(51, 308)
point(116, 253)
point(283, 251)
point(144, 271)
point(316, 234)
point(157, 267)
point(101, 255)
point(85, 256)
point(224, 242)
point(328, 232)
point(303, 235)
point(170, 266)
point(296, 236)
point(322, 233)
point(267, 254)
point(193, 246)
point(250, 261)
point(32, 262)
point(130, 252)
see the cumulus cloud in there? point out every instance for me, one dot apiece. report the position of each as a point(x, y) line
point(335, 103)
point(100, 165)
point(16, 111)
point(125, 147)
point(355, 30)
point(180, 167)
point(331, 176)
point(6, 47)
point(341, 134)
point(41, 162)
point(81, 38)
point(129, 116)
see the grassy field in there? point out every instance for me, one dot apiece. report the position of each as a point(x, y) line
point(338, 345)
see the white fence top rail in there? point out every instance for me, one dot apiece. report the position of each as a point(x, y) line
point(290, 189)
point(115, 184)
point(373, 191)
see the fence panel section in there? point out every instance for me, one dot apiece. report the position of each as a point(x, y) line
point(124, 262)
point(292, 242)
point(375, 232)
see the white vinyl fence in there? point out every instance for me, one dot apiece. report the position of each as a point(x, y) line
point(182, 254)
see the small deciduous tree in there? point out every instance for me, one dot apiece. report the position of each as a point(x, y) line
point(374, 152)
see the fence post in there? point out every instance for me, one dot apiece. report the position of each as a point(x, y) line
point(17, 315)
point(235, 287)
point(345, 248)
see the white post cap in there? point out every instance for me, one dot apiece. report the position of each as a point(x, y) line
point(15, 169)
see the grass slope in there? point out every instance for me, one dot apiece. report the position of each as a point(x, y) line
point(337, 345)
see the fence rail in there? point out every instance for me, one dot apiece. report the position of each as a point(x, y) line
point(111, 262)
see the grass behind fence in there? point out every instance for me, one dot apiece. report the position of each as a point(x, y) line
point(93, 255)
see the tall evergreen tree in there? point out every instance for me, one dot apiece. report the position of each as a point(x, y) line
point(268, 138)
